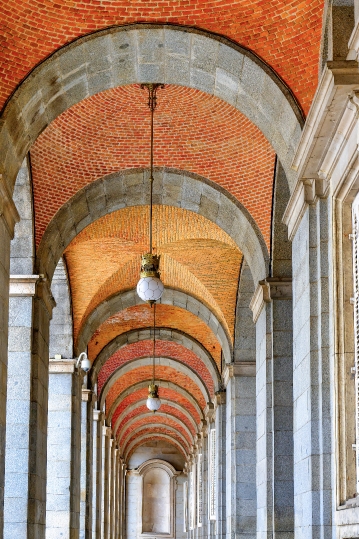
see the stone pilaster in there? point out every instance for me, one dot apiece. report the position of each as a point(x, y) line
point(8, 217)
point(98, 419)
point(272, 313)
point(240, 382)
point(63, 449)
point(87, 471)
point(106, 481)
point(31, 310)
point(220, 463)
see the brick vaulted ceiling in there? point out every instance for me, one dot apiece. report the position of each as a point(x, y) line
point(194, 132)
point(285, 33)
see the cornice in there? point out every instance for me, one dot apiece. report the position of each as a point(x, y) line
point(242, 368)
point(62, 366)
point(267, 290)
point(23, 285)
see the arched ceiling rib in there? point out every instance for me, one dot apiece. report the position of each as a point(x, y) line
point(143, 349)
point(167, 406)
point(158, 418)
point(194, 131)
point(152, 437)
point(167, 316)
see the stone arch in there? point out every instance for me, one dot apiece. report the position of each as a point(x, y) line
point(160, 428)
point(160, 361)
point(165, 334)
point(111, 193)
point(145, 437)
point(22, 248)
point(141, 349)
point(142, 402)
point(164, 384)
point(61, 326)
point(148, 53)
point(172, 297)
point(139, 417)
point(245, 333)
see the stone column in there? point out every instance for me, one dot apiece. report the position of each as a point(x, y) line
point(25, 485)
point(204, 450)
point(112, 488)
point(220, 422)
point(63, 449)
point(106, 481)
point(241, 500)
point(98, 419)
point(87, 471)
point(8, 217)
point(313, 372)
point(272, 313)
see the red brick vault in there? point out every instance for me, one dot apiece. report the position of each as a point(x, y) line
point(286, 34)
point(198, 135)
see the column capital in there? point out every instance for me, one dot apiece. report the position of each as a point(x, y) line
point(209, 412)
point(87, 395)
point(62, 366)
point(267, 290)
point(97, 415)
point(8, 211)
point(107, 431)
point(307, 191)
point(23, 285)
point(203, 428)
point(219, 398)
point(239, 368)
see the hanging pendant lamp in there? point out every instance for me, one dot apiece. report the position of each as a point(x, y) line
point(153, 402)
point(150, 287)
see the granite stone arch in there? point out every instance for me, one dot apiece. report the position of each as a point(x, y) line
point(142, 402)
point(134, 420)
point(163, 334)
point(130, 298)
point(140, 53)
point(128, 188)
point(144, 384)
point(155, 426)
point(160, 362)
point(147, 437)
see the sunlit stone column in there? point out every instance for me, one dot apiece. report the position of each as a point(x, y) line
point(98, 420)
point(106, 482)
point(63, 449)
point(8, 217)
point(220, 463)
point(87, 471)
point(25, 486)
point(241, 507)
point(272, 313)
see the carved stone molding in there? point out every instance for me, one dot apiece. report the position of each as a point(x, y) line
point(107, 431)
point(8, 211)
point(97, 415)
point(23, 285)
point(219, 398)
point(87, 395)
point(267, 290)
point(209, 412)
point(242, 368)
point(62, 366)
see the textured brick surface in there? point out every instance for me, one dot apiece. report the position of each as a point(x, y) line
point(285, 33)
point(155, 438)
point(165, 409)
point(141, 316)
point(151, 417)
point(165, 393)
point(161, 429)
point(165, 349)
point(194, 131)
point(162, 373)
point(186, 242)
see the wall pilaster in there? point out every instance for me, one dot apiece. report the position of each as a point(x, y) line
point(272, 313)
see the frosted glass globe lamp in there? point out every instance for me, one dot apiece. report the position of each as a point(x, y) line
point(150, 287)
point(153, 402)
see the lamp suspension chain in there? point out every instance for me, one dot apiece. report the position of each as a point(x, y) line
point(154, 342)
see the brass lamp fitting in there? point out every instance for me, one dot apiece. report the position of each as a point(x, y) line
point(149, 265)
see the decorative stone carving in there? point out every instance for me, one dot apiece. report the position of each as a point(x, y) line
point(23, 285)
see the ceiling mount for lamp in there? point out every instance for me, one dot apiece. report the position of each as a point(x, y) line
point(150, 287)
point(153, 402)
